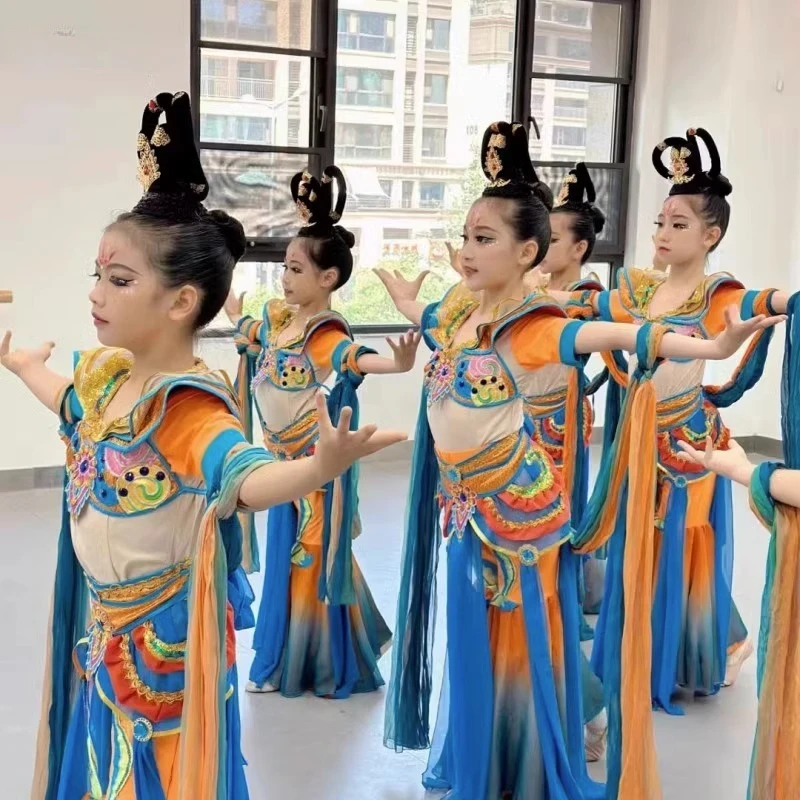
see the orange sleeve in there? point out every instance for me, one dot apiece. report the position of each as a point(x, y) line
point(323, 343)
point(250, 329)
point(720, 299)
point(544, 339)
point(194, 420)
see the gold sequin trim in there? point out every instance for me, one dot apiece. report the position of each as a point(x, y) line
point(137, 684)
point(127, 593)
point(166, 651)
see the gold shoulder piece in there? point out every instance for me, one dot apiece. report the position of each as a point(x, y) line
point(97, 372)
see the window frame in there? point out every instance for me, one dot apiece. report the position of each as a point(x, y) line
point(320, 149)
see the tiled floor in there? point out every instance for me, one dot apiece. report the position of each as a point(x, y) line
point(331, 750)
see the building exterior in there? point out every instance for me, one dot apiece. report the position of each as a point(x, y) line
point(416, 85)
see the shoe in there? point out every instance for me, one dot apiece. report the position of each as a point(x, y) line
point(594, 744)
point(254, 688)
point(735, 661)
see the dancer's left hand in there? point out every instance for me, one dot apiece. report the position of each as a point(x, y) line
point(738, 331)
point(732, 463)
point(405, 350)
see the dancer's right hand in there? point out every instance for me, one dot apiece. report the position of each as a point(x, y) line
point(17, 361)
point(455, 258)
point(234, 307)
point(400, 288)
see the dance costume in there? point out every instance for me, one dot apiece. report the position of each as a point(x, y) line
point(318, 627)
point(510, 718)
point(149, 554)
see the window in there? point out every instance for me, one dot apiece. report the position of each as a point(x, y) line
point(370, 142)
point(436, 89)
point(243, 21)
point(411, 96)
point(396, 233)
point(294, 76)
point(228, 128)
point(364, 87)
point(434, 142)
point(293, 135)
point(576, 49)
point(588, 33)
point(214, 77)
point(256, 79)
point(408, 102)
point(408, 144)
point(258, 101)
point(572, 107)
point(408, 194)
point(386, 186)
point(431, 195)
point(437, 34)
point(213, 127)
point(571, 15)
point(569, 137)
point(365, 30)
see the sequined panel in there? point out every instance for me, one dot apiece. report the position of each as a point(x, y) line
point(121, 481)
point(479, 379)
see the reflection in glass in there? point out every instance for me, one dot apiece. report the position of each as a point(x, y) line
point(254, 187)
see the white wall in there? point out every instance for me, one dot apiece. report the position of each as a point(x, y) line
point(716, 64)
point(72, 110)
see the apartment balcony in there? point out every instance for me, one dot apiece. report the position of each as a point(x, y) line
point(365, 42)
point(493, 8)
point(247, 89)
point(363, 98)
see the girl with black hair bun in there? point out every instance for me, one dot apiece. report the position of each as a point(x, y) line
point(318, 627)
point(510, 720)
point(695, 638)
point(143, 703)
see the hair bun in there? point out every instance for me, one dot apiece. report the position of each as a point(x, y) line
point(345, 235)
point(598, 217)
point(720, 185)
point(231, 230)
point(541, 191)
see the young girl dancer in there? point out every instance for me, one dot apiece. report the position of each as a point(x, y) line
point(318, 627)
point(146, 705)
point(574, 222)
point(510, 720)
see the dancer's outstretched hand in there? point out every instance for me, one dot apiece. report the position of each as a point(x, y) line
point(399, 287)
point(338, 447)
point(405, 350)
point(234, 307)
point(732, 463)
point(455, 258)
point(17, 361)
point(738, 331)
